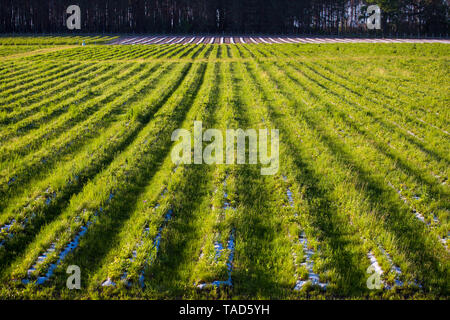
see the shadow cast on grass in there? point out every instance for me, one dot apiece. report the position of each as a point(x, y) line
point(166, 272)
point(103, 235)
point(18, 244)
point(322, 213)
point(394, 218)
point(418, 176)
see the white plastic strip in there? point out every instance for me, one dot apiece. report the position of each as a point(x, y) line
point(161, 39)
point(283, 40)
point(169, 41)
point(127, 40)
point(179, 41)
point(274, 41)
point(190, 41)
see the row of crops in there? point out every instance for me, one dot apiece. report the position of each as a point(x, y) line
point(86, 176)
point(54, 40)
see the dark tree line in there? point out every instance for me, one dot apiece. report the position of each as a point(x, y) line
point(225, 16)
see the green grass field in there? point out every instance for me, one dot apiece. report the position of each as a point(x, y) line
point(86, 176)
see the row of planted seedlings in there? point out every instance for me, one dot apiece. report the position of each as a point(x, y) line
point(145, 52)
point(67, 54)
point(48, 86)
point(25, 112)
point(182, 51)
point(57, 102)
point(170, 274)
point(437, 163)
point(51, 77)
point(103, 53)
point(343, 267)
point(103, 204)
point(190, 51)
point(383, 70)
point(138, 52)
point(433, 218)
point(416, 103)
point(22, 72)
point(232, 52)
point(186, 53)
point(378, 81)
point(364, 194)
point(430, 199)
point(207, 52)
point(23, 107)
point(231, 255)
point(301, 265)
point(86, 103)
point(426, 195)
point(7, 51)
point(246, 253)
point(284, 250)
point(428, 140)
point(170, 195)
point(24, 115)
point(226, 52)
point(116, 53)
point(173, 52)
point(48, 195)
point(434, 123)
point(215, 255)
point(407, 77)
point(17, 90)
point(404, 107)
point(262, 269)
point(18, 98)
point(16, 68)
point(21, 161)
point(30, 143)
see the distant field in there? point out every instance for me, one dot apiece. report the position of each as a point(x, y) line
point(54, 40)
point(86, 176)
point(10, 50)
